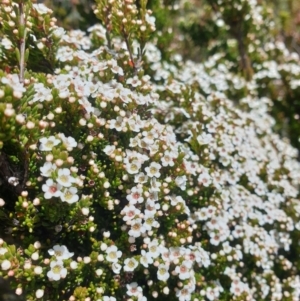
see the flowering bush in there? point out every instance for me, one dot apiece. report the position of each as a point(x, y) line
point(128, 177)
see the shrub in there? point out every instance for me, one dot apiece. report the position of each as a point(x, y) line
point(129, 177)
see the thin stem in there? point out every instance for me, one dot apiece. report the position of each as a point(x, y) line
point(130, 52)
point(22, 43)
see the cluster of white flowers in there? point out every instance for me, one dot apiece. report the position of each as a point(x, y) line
point(60, 180)
point(196, 198)
point(58, 270)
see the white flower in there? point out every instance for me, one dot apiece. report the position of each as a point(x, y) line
point(48, 143)
point(136, 228)
point(140, 178)
point(116, 267)
point(133, 289)
point(109, 149)
point(42, 9)
point(162, 272)
point(47, 169)
point(136, 195)
point(68, 142)
point(175, 199)
point(204, 179)
point(117, 124)
point(155, 185)
point(113, 254)
point(150, 20)
point(64, 177)
point(184, 269)
point(5, 265)
point(133, 167)
point(180, 181)
point(130, 212)
point(153, 248)
point(41, 93)
point(150, 221)
point(153, 170)
point(167, 159)
point(69, 195)
point(57, 270)
point(58, 32)
point(184, 294)
point(51, 189)
point(60, 252)
point(130, 264)
point(146, 259)
point(204, 138)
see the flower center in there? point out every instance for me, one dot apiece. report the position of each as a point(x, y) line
point(56, 269)
point(52, 189)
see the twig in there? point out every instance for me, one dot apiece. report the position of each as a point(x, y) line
point(130, 52)
point(22, 43)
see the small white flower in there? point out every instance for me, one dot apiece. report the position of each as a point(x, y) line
point(64, 177)
point(116, 267)
point(153, 248)
point(136, 195)
point(130, 212)
point(133, 289)
point(42, 9)
point(204, 179)
point(60, 252)
point(68, 142)
point(167, 159)
point(140, 178)
point(48, 143)
point(150, 221)
point(41, 93)
point(58, 32)
point(69, 195)
point(57, 270)
point(150, 20)
point(162, 272)
point(47, 169)
point(146, 259)
point(117, 124)
point(133, 167)
point(130, 264)
point(109, 149)
point(204, 138)
point(184, 269)
point(113, 254)
point(51, 189)
point(184, 294)
point(180, 181)
point(136, 228)
point(153, 170)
